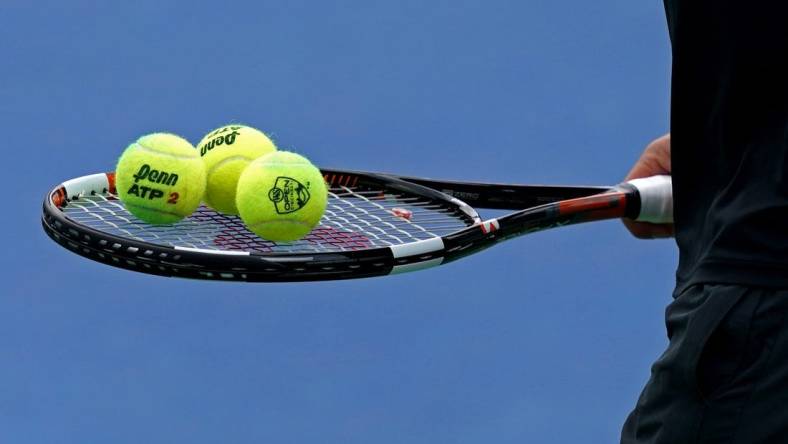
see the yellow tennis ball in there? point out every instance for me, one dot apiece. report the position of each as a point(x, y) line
point(160, 178)
point(226, 152)
point(281, 196)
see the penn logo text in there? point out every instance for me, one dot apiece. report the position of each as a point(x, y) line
point(220, 137)
point(153, 176)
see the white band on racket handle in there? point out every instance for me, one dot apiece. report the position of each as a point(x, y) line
point(656, 199)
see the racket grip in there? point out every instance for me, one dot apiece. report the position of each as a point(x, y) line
point(656, 199)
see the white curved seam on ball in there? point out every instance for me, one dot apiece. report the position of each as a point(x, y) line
point(278, 164)
point(257, 224)
point(228, 159)
point(163, 153)
point(140, 207)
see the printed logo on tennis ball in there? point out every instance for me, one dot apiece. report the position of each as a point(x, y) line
point(218, 138)
point(160, 178)
point(288, 195)
point(226, 152)
point(281, 196)
point(153, 176)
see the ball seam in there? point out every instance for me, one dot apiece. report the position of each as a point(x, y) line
point(164, 153)
point(280, 164)
point(155, 210)
point(268, 221)
point(228, 159)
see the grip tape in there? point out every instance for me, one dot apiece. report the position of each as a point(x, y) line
point(656, 199)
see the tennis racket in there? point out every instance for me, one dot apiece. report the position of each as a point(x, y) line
point(375, 224)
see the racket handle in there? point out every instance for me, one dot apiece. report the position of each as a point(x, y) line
point(656, 199)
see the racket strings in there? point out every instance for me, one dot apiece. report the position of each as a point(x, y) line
point(375, 217)
point(355, 219)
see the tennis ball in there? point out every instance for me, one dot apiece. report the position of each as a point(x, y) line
point(281, 196)
point(226, 152)
point(160, 178)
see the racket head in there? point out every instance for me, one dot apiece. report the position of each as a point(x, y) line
point(374, 225)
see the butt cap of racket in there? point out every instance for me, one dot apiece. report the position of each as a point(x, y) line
point(656, 199)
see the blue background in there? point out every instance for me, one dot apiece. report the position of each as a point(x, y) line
point(547, 338)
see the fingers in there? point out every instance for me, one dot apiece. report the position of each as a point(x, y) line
point(654, 160)
point(645, 230)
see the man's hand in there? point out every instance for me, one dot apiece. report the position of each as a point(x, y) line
point(654, 160)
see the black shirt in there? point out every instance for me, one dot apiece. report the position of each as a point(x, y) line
point(729, 137)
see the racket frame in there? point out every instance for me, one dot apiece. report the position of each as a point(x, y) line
point(550, 206)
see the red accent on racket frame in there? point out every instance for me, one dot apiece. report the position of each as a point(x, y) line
point(489, 226)
point(602, 206)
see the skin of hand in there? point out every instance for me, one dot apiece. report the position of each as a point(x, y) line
point(654, 160)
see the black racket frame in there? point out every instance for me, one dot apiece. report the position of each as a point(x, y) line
point(541, 207)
